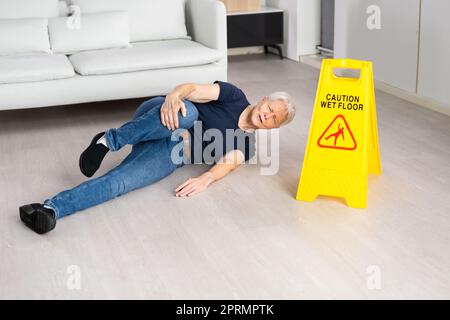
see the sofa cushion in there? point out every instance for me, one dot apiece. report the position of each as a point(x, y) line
point(38, 67)
point(16, 9)
point(151, 55)
point(149, 19)
point(96, 31)
point(24, 36)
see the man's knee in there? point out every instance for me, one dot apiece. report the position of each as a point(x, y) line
point(148, 105)
point(191, 115)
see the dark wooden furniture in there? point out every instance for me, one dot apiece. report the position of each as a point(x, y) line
point(263, 27)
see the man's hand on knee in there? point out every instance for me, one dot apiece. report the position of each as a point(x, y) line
point(169, 111)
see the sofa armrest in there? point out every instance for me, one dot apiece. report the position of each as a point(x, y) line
point(206, 22)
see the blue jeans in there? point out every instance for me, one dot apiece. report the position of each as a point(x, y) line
point(149, 161)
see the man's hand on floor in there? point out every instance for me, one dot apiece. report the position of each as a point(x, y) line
point(194, 185)
point(169, 111)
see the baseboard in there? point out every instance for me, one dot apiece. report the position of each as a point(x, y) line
point(316, 62)
point(413, 98)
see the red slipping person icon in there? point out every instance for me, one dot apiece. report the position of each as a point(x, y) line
point(336, 135)
point(336, 129)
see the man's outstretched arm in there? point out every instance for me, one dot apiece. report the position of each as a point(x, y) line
point(194, 92)
point(228, 163)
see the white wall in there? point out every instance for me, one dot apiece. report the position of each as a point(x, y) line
point(308, 26)
point(392, 48)
point(301, 26)
point(434, 68)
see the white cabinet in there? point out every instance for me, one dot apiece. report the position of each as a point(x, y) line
point(434, 53)
point(392, 48)
point(409, 51)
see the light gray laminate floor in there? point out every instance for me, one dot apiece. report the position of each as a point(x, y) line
point(245, 237)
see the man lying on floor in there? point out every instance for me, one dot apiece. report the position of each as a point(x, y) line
point(156, 132)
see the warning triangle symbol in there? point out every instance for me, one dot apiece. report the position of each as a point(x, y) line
point(337, 135)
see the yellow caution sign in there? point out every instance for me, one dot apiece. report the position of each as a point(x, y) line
point(343, 138)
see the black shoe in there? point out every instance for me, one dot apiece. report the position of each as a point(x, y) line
point(37, 217)
point(92, 157)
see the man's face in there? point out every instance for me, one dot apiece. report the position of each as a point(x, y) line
point(268, 114)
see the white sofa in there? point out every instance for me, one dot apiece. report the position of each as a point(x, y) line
point(107, 49)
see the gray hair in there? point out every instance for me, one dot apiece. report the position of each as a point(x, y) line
point(289, 105)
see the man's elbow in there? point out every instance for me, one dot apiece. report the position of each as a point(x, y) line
point(236, 164)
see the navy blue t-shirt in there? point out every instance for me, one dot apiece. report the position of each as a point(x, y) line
point(214, 118)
